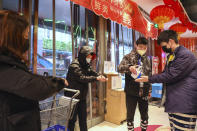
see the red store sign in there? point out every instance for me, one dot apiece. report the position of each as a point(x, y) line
point(125, 12)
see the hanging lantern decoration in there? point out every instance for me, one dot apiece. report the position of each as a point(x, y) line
point(161, 14)
point(179, 28)
point(174, 4)
point(180, 12)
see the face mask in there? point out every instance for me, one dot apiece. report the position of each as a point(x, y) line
point(88, 60)
point(141, 52)
point(26, 46)
point(166, 50)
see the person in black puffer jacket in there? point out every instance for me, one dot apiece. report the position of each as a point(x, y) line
point(20, 90)
point(79, 75)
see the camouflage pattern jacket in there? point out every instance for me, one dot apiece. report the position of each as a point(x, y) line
point(132, 87)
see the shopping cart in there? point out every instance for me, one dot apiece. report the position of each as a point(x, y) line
point(57, 112)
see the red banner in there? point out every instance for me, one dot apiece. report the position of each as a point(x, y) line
point(124, 12)
point(84, 3)
point(119, 11)
point(190, 43)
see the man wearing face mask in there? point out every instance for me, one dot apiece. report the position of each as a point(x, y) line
point(180, 78)
point(136, 92)
point(79, 75)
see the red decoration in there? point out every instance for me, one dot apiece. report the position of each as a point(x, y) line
point(170, 2)
point(177, 9)
point(125, 12)
point(183, 18)
point(190, 43)
point(161, 14)
point(179, 12)
point(179, 28)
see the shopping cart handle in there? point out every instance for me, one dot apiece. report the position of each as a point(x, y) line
point(77, 92)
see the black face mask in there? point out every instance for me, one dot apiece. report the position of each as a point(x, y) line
point(26, 46)
point(166, 50)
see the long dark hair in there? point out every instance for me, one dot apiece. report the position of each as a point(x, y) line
point(12, 28)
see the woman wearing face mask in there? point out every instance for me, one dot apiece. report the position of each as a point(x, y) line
point(20, 90)
point(136, 92)
point(79, 75)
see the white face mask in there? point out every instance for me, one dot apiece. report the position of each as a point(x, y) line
point(141, 52)
point(88, 60)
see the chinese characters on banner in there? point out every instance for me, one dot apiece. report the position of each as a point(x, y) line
point(125, 12)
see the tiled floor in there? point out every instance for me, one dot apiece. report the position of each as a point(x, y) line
point(156, 117)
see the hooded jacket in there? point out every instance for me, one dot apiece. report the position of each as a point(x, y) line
point(132, 59)
point(180, 78)
point(20, 91)
point(80, 73)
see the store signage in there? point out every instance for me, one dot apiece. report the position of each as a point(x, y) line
point(117, 10)
point(125, 12)
point(155, 64)
point(116, 82)
point(109, 67)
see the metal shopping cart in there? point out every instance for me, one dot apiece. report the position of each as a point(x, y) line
point(56, 113)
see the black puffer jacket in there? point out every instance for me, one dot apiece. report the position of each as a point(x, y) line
point(20, 92)
point(80, 73)
point(132, 87)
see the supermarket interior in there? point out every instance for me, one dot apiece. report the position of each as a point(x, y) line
point(59, 28)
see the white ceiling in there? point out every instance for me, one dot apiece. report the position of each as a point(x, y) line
point(148, 5)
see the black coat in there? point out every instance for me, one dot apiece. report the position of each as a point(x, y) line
point(132, 87)
point(80, 73)
point(20, 92)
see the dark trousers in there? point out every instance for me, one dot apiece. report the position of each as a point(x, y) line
point(131, 104)
point(80, 111)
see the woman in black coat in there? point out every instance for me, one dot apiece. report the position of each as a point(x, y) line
point(20, 90)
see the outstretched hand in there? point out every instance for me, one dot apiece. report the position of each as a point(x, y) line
point(133, 69)
point(142, 79)
point(101, 78)
point(66, 82)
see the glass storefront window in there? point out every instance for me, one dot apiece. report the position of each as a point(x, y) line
point(93, 43)
point(45, 38)
point(121, 44)
point(79, 31)
point(10, 5)
point(63, 38)
point(63, 42)
point(113, 41)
